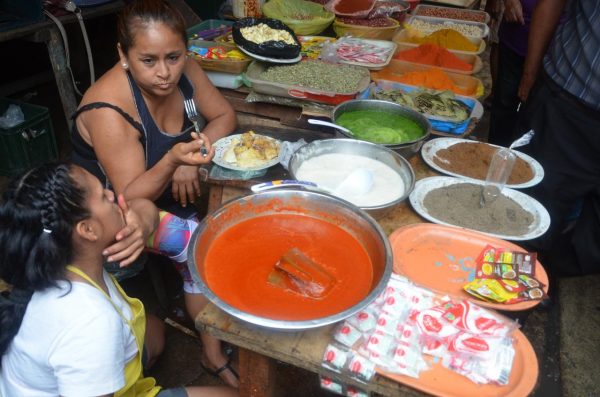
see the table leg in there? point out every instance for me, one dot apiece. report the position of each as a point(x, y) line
point(257, 374)
point(215, 196)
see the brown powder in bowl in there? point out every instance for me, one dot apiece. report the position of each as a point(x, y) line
point(473, 160)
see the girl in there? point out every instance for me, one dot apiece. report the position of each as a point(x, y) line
point(67, 327)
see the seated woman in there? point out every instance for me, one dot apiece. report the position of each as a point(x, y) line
point(68, 328)
point(131, 118)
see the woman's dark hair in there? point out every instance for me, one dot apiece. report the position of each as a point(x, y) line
point(142, 12)
point(37, 214)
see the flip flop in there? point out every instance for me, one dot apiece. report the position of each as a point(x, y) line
point(225, 367)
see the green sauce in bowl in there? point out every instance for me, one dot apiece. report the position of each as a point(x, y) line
point(380, 127)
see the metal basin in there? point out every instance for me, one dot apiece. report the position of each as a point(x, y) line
point(405, 149)
point(299, 202)
point(360, 148)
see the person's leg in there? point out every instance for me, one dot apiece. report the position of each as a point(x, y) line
point(154, 339)
point(172, 239)
point(503, 115)
point(567, 144)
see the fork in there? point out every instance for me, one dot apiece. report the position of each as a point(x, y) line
point(195, 118)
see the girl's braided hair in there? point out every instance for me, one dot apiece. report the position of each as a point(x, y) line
point(37, 214)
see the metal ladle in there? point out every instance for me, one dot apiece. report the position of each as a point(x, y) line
point(330, 124)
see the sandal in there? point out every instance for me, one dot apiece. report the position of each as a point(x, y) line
point(217, 373)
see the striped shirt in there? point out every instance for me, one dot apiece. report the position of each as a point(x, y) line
point(573, 57)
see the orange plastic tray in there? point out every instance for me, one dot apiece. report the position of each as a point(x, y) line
point(440, 381)
point(442, 258)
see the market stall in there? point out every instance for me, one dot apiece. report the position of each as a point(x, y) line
point(426, 68)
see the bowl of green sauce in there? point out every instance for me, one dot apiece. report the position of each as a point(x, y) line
point(386, 123)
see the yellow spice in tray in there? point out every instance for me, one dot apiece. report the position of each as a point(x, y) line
point(447, 38)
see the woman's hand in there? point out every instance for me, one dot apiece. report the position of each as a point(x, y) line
point(189, 153)
point(514, 12)
point(132, 238)
point(186, 184)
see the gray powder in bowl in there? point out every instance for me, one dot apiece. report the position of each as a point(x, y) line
point(459, 205)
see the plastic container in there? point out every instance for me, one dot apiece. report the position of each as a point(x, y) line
point(227, 65)
point(219, 26)
point(446, 23)
point(468, 84)
point(500, 168)
point(402, 38)
point(438, 124)
point(225, 80)
point(472, 59)
point(382, 44)
point(366, 32)
point(454, 3)
point(255, 69)
point(29, 143)
point(452, 13)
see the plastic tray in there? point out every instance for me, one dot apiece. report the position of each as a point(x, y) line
point(235, 66)
point(440, 124)
point(386, 44)
point(449, 23)
point(225, 80)
point(454, 3)
point(421, 7)
point(255, 69)
point(472, 59)
point(398, 68)
point(402, 38)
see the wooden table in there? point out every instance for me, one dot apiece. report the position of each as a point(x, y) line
point(260, 347)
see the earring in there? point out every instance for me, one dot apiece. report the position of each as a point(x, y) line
point(125, 65)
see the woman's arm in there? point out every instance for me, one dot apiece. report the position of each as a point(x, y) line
point(119, 151)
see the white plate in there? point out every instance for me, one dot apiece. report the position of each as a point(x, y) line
point(430, 148)
point(223, 144)
point(541, 220)
point(273, 60)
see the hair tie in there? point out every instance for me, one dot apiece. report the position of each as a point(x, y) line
point(47, 231)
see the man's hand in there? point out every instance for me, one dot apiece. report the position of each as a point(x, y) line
point(186, 184)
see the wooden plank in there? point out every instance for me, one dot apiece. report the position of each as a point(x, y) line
point(257, 374)
point(303, 349)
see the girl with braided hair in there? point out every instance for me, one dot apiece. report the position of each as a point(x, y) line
point(66, 326)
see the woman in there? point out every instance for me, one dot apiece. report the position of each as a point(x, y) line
point(67, 326)
point(129, 120)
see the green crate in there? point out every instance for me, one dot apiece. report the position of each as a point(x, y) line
point(29, 143)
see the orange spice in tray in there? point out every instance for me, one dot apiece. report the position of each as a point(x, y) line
point(431, 54)
point(435, 79)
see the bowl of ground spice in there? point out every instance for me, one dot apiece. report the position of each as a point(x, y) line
point(471, 159)
point(456, 202)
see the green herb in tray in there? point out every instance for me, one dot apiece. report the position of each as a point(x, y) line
point(318, 75)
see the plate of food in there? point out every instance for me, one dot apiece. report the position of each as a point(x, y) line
point(456, 202)
point(247, 152)
point(470, 159)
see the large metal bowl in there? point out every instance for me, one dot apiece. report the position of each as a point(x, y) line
point(360, 148)
point(405, 149)
point(299, 202)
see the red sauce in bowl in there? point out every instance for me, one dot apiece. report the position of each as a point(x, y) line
point(240, 259)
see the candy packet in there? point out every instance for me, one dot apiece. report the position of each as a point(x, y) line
point(506, 291)
point(500, 263)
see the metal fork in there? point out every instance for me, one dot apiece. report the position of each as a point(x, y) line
point(195, 118)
